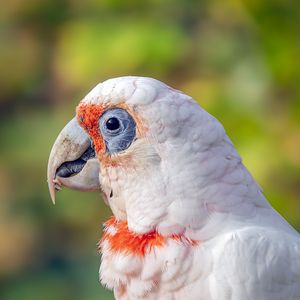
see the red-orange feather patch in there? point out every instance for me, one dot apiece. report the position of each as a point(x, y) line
point(88, 117)
point(121, 239)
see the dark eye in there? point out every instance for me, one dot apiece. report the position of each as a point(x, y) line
point(118, 129)
point(112, 124)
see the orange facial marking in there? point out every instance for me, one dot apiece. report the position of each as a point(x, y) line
point(126, 241)
point(88, 117)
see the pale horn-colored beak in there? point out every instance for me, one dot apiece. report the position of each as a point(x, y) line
point(72, 162)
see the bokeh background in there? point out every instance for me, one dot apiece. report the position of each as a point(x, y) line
point(239, 59)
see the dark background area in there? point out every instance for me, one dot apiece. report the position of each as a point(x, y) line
point(238, 59)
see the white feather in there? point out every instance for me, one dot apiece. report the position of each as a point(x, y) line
point(187, 178)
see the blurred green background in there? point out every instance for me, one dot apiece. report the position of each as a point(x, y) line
point(239, 59)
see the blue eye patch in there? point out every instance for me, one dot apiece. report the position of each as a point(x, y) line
point(118, 129)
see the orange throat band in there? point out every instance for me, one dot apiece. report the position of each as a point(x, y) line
point(121, 239)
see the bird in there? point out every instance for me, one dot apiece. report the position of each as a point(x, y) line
point(188, 219)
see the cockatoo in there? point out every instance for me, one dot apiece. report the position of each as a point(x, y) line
point(189, 221)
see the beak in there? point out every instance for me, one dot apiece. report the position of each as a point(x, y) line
point(72, 162)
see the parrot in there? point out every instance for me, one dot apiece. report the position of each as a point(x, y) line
point(188, 219)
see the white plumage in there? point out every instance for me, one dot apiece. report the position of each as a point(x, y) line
point(182, 180)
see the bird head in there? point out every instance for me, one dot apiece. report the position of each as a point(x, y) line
point(161, 161)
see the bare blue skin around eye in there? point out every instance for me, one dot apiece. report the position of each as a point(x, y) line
point(121, 138)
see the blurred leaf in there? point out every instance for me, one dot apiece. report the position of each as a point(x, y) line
point(91, 51)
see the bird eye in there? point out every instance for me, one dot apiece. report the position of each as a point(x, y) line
point(118, 129)
point(112, 124)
